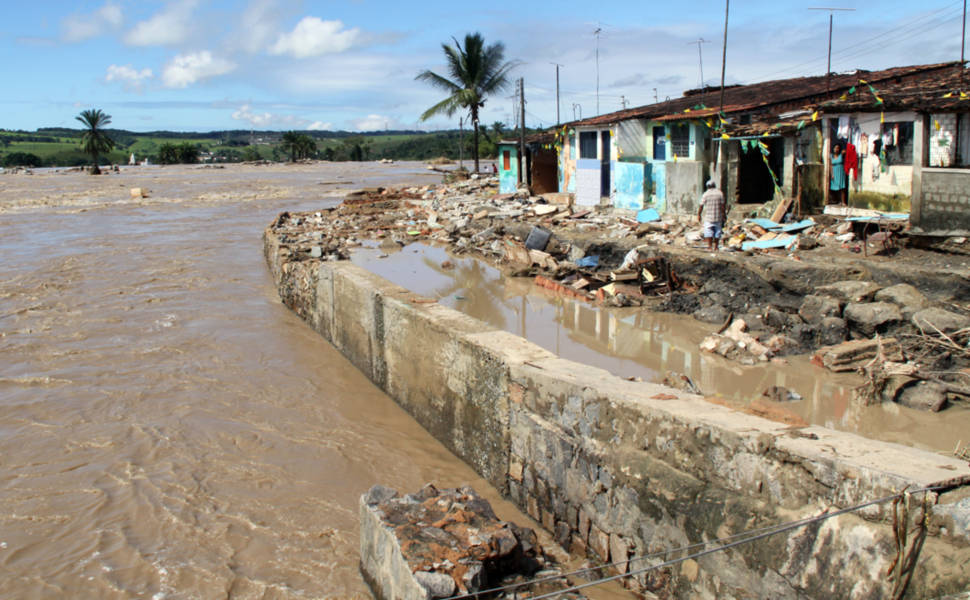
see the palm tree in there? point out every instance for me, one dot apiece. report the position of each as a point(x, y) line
point(94, 140)
point(476, 71)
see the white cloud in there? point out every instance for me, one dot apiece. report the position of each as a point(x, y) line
point(259, 23)
point(373, 123)
point(186, 69)
point(132, 79)
point(277, 121)
point(313, 37)
point(167, 27)
point(78, 28)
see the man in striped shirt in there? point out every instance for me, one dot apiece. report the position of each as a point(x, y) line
point(711, 214)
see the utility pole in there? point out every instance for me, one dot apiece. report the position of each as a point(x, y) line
point(727, 8)
point(656, 98)
point(557, 92)
point(580, 111)
point(700, 58)
point(597, 34)
point(522, 163)
point(623, 102)
point(963, 38)
point(831, 17)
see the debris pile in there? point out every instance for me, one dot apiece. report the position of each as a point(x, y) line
point(453, 544)
point(767, 302)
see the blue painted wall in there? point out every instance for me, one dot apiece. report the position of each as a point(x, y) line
point(629, 184)
point(658, 177)
point(508, 179)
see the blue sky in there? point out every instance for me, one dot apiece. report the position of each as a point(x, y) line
point(274, 64)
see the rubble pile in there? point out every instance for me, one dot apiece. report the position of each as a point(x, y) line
point(454, 544)
point(762, 289)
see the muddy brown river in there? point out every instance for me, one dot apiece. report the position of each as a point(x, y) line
point(169, 430)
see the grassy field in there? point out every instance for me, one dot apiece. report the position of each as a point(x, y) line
point(62, 147)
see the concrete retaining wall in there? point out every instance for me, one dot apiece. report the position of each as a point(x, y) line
point(622, 469)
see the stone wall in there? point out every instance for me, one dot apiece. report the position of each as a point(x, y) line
point(620, 469)
point(945, 200)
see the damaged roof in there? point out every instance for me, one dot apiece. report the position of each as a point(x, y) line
point(778, 95)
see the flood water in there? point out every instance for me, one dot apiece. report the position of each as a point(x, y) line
point(167, 428)
point(638, 343)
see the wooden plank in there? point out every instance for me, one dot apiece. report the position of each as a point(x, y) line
point(783, 207)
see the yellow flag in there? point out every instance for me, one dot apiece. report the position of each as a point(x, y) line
point(948, 95)
point(936, 124)
point(882, 117)
point(725, 136)
point(963, 95)
point(815, 116)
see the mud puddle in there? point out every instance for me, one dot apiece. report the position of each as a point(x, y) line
point(640, 343)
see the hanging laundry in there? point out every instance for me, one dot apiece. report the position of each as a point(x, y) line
point(851, 161)
point(843, 127)
point(863, 145)
point(896, 135)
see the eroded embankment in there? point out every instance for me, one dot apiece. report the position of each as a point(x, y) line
point(621, 469)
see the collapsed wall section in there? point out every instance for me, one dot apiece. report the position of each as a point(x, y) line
point(623, 470)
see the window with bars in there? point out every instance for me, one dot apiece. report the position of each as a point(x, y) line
point(680, 140)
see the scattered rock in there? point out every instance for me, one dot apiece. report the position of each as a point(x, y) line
point(816, 308)
point(923, 395)
point(715, 314)
point(831, 331)
point(781, 394)
point(438, 585)
point(906, 297)
point(930, 320)
point(870, 318)
point(849, 356)
point(849, 291)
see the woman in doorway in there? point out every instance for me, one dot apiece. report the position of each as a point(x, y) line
point(840, 182)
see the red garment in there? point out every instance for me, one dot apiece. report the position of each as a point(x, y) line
point(851, 161)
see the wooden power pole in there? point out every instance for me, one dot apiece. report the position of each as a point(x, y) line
point(522, 163)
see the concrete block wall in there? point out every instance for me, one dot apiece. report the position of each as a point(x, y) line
point(945, 200)
point(620, 469)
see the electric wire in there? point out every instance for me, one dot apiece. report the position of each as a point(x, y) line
point(842, 52)
point(725, 544)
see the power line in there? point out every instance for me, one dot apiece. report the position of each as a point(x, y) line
point(908, 26)
point(728, 546)
point(725, 544)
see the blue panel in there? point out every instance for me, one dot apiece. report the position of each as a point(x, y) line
point(659, 199)
point(629, 185)
point(588, 163)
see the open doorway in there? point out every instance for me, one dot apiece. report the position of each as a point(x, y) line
point(755, 183)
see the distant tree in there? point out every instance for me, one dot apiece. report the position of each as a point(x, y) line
point(188, 153)
point(476, 71)
point(298, 145)
point(329, 153)
point(172, 154)
point(288, 144)
point(94, 140)
point(168, 154)
point(22, 159)
point(497, 128)
point(251, 154)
